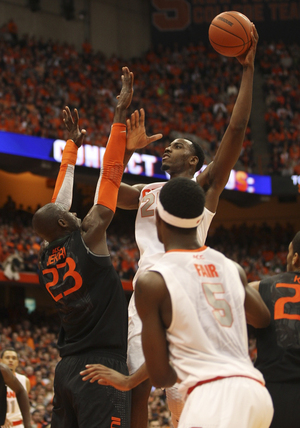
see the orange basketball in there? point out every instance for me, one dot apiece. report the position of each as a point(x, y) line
point(230, 33)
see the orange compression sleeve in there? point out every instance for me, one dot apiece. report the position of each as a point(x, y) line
point(112, 168)
point(63, 190)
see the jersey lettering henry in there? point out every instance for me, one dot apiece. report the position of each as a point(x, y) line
point(88, 295)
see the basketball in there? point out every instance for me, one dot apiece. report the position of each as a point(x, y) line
point(230, 33)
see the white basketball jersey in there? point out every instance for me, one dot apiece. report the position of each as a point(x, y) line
point(208, 332)
point(151, 249)
point(13, 413)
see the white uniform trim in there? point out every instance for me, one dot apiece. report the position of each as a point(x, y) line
point(13, 410)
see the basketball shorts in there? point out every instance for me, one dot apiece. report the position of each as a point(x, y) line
point(286, 399)
point(175, 403)
point(234, 402)
point(81, 404)
point(135, 355)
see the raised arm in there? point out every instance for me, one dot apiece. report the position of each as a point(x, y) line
point(63, 191)
point(13, 383)
point(99, 217)
point(137, 138)
point(214, 178)
point(136, 132)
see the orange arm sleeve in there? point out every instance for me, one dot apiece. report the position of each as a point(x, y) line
point(63, 190)
point(112, 168)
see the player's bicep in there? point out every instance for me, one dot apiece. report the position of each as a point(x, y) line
point(12, 382)
point(257, 312)
point(128, 196)
point(149, 294)
point(254, 284)
point(146, 295)
point(93, 229)
point(212, 189)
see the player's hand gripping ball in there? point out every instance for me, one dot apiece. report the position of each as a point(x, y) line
point(230, 33)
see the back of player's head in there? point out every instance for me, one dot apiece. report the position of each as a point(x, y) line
point(45, 220)
point(296, 243)
point(200, 154)
point(181, 203)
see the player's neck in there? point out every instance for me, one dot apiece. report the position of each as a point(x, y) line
point(182, 243)
point(188, 174)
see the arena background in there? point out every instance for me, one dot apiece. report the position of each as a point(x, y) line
point(127, 29)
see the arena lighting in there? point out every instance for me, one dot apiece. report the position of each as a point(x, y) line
point(296, 181)
point(140, 164)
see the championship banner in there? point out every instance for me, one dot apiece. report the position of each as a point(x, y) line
point(187, 21)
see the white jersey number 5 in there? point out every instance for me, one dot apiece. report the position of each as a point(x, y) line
point(222, 310)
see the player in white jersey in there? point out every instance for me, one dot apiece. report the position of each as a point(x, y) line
point(7, 379)
point(14, 416)
point(193, 306)
point(181, 158)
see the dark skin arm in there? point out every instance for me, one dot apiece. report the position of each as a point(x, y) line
point(257, 313)
point(72, 125)
point(133, 140)
point(107, 376)
point(153, 304)
point(13, 383)
point(97, 220)
point(128, 198)
point(254, 284)
point(136, 134)
point(214, 178)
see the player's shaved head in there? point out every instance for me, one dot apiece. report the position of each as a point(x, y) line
point(48, 222)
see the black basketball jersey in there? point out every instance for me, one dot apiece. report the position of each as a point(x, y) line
point(3, 402)
point(278, 346)
point(88, 295)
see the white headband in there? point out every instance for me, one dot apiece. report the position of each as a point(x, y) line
point(186, 223)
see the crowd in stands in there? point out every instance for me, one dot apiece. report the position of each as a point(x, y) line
point(279, 64)
point(261, 250)
point(190, 90)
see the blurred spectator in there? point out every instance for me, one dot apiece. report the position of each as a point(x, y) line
point(279, 65)
point(191, 90)
point(12, 265)
point(154, 423)
point(242, 243)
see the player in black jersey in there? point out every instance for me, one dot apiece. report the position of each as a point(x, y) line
point(77, 272)
point(8, 379)
point(278, 346)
